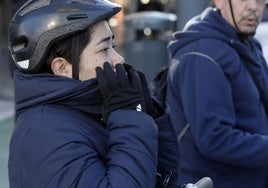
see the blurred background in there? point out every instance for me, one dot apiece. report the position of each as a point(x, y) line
point(142, 29)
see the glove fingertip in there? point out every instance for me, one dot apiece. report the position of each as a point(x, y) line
point(107, 65)
point(142, 76)
point(98, 68)
point(127, 66)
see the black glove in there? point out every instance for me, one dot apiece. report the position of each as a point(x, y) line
point(151, 108)
point(120, 90)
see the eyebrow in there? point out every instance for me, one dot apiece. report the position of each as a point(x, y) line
point(106, 39)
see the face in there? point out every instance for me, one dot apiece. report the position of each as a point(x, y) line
point(247, 14)
point(100, 49)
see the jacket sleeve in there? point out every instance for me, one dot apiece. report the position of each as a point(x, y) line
point(133, 149)
point(67, 155)
point(208, 101)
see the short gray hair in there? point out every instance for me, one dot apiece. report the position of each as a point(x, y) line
point(211, 3)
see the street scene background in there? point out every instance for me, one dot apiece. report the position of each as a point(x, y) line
point(142, 30)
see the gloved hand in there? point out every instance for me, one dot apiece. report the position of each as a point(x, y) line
point(151, 108)
point(120, 90)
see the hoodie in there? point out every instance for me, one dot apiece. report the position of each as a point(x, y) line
point(209, 88)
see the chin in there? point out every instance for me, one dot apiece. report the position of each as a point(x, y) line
point(249, 31)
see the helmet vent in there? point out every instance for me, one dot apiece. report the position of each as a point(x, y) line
point(19, 45)
point(77, 17)
point(35, 5)
point(89, 2)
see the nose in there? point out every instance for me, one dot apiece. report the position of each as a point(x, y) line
point(117, 58)
point(253, 4)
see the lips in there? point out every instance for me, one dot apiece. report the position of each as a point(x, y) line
point(251, 21)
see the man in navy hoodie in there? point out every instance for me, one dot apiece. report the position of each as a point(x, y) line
point(217, 89)
point(84, 118)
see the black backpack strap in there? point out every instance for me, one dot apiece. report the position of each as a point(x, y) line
point(159, 82)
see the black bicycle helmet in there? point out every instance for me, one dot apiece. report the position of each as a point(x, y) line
point(38, 24)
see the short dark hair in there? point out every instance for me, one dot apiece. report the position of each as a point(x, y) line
point(211, 3)
point(63, 48)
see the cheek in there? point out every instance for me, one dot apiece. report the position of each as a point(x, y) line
point(91, 62)
point(87, 72)
point(88, 65)
point(86, 69)
point(260, 13)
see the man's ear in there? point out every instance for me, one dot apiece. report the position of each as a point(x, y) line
point(61, 67)
point(218, 3)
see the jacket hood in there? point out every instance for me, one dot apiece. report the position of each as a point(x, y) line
point(39, 89)
point(203, 26)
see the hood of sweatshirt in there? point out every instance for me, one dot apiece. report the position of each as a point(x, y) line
point(210, 24)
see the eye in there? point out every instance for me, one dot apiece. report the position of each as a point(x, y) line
point(106, 49)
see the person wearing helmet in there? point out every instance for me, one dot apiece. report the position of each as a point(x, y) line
point(84, 118)
point(217, 87)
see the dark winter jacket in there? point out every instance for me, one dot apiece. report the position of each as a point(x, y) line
point(60, 140)
point(210, 88)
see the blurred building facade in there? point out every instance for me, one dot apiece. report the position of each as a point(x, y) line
point(148, 26)
point(6, 84)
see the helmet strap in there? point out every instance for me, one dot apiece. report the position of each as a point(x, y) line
point(75, 57)
point(233, 17)
point(243, 37)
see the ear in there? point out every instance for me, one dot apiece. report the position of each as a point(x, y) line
point(218, 3)
point(61, 67)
